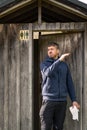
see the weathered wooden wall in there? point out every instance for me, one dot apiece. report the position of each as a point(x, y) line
point(15, 80)
point(16, 73)
point(73, 43)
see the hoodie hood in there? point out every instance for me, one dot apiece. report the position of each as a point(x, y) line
point(49, 61)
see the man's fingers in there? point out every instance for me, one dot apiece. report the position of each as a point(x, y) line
point(67, 54)
point(63, 56)
point(76, 104)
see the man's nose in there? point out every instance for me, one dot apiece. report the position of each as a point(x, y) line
point(50, 51)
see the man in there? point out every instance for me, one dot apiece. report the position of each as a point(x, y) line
point(57, 82)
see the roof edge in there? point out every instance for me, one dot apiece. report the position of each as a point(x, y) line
point(67, 8)
point(15, 7)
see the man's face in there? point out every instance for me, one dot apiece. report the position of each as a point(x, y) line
point(53, 52)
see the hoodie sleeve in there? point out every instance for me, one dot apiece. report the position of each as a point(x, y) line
point(47, 71)
point(70, 86)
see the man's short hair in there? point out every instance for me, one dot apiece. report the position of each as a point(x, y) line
point(53, 44)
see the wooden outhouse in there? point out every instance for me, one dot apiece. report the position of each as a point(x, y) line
point(25, 29)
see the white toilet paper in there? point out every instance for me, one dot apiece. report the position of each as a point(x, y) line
point(74, 111)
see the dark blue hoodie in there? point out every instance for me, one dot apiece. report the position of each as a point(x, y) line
point(57, 81)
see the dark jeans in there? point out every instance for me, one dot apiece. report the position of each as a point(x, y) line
point(52, 114)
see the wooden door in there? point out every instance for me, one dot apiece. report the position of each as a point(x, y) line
point(69, 42)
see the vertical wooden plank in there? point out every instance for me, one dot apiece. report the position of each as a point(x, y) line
point(85, 81)
point(13, 80)
point(30, 83)
point(6, 85)
point(12, 84)
point(17, 91)
point(27, 81)
point(24, 105)
point(1, 87)
point(79, 84)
